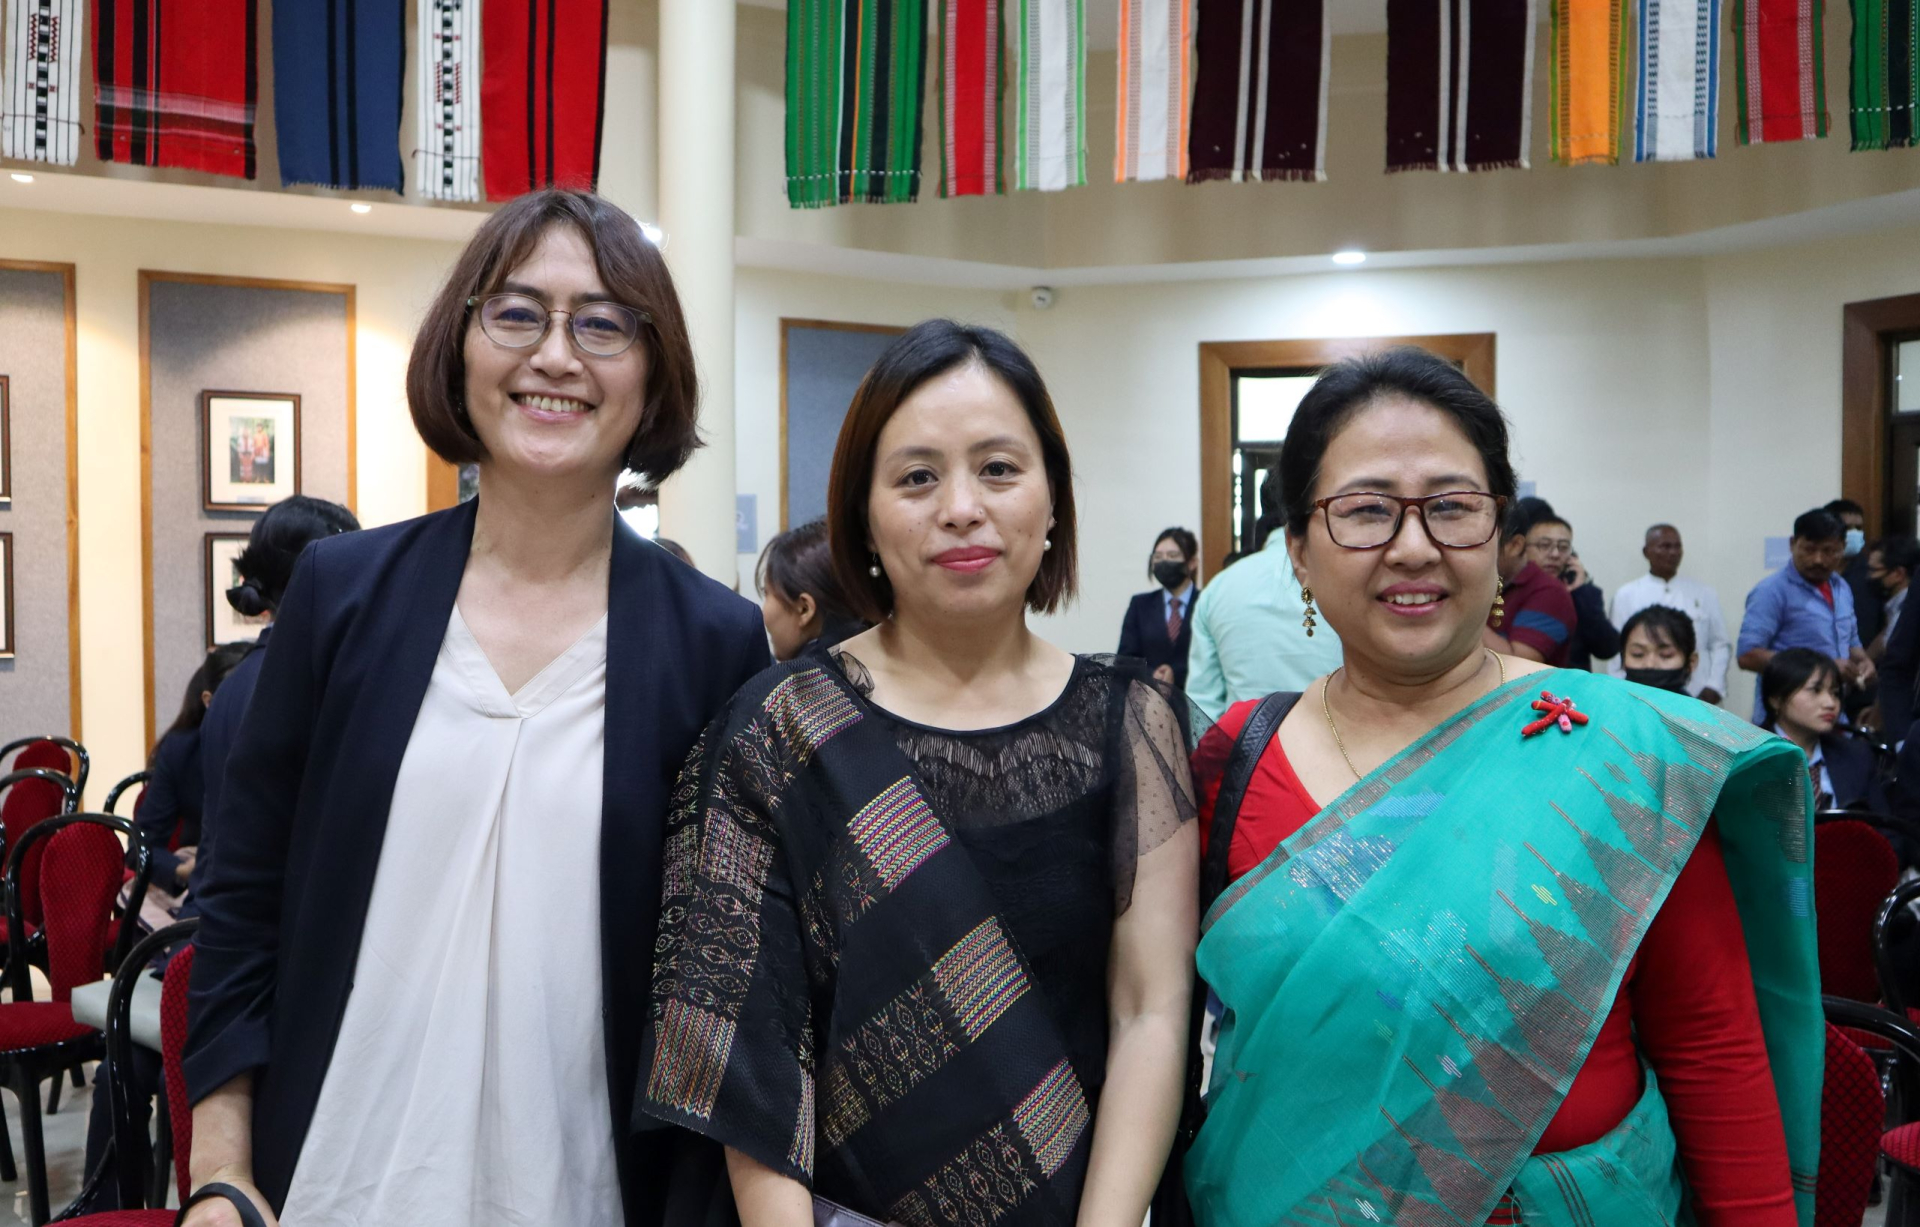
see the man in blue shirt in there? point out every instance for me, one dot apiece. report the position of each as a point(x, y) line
point(1805, 605)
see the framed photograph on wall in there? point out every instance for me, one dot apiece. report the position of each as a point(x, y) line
point(6, 449)
point(252, 455)
point(225, 624)
point(6, 596)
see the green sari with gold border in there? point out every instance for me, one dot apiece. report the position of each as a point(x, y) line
point(1414, 978)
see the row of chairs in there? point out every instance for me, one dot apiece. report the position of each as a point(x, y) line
point(63, 871)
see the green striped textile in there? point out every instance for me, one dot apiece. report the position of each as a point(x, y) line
point(1049, 76)
point(856, 75)
point(1885, 72)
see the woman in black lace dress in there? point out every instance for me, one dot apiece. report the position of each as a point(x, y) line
point(929, 904)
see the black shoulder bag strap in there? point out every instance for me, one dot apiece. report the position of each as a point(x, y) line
point(249, 1214)
point(1170, 1207)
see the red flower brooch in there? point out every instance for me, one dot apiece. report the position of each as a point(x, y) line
point(1555, 711)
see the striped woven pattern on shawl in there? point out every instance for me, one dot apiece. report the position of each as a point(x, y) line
point(338, 66)
point(1781, 80)
point(543, 98)
point(40, 82)
point(178, 90)
point(447, 156)
point(1459, 84)
point(1588, 81)
point(1156, 51)
point(856, 73)
point(1260, 93)
point(970, 98)
point(1677, 100)
point(1886, 72)
point(1049, 46)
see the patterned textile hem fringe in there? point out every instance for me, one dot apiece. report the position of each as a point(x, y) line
point(1221, 174)
point(1471, 167)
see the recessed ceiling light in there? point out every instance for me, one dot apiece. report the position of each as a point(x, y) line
point(360, 207)
point(19, 177)
point(1349, 257)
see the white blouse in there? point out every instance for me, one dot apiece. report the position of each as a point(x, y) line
point(469, 1081)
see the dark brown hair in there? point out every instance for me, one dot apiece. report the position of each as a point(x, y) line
point(634, 275)
point(926, 351)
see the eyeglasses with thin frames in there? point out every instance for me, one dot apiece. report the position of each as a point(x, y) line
point(1452, 520)
point(597, 329)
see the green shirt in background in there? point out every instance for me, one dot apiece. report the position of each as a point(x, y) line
point(1247, 636)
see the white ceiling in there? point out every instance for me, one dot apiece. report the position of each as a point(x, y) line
point(1103, 18)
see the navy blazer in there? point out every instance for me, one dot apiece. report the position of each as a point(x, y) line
point(1853, 775)
point(308, 786)
point(170, 802)
point(1143, 633)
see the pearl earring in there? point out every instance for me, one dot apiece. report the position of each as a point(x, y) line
point(874, 568)
point(1047, 544)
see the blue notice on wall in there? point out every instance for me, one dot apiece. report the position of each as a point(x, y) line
point(1779, 552)
point(1529, 489)
point(746, 523)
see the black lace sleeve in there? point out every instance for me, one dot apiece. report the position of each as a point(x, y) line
point(1153, 794)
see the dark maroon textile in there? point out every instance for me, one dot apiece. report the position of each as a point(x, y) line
point(1429, 44)
point(1259, 103)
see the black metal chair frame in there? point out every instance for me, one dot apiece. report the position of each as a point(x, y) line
point(137, 779)
point(24, 1069)
point(68, 744)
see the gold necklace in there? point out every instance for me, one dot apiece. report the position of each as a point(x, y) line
point(1327, 710)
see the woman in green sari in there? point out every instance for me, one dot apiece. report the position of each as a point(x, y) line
point(1503, 943)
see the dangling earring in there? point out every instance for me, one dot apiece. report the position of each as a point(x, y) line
point(1499, 604)
point(1306, 596)
point(874, 568)
point(1047, 544)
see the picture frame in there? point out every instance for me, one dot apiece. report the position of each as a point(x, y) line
point(251, 449)
point(6, 596)
point(6, 447)
point(224, 623)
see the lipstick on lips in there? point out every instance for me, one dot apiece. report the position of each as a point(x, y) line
point(967, 559)
point(1410, 599)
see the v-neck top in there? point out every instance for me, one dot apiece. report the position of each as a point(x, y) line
point(469, 1080)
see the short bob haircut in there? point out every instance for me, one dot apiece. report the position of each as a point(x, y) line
point(1349, 386)
point(1188, 544)
point(925, 352)
point(635, 276)
point(1787, 672)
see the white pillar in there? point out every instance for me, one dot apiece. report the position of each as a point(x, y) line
point(696, 135)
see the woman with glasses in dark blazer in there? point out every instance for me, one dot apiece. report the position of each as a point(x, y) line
point(424, 958)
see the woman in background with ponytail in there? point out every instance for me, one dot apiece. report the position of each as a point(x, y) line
point(275, 543)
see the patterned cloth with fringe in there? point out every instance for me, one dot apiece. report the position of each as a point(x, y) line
point(448, 64)
point(1589, 79)
point(1459, 84)
point(1048, 47)
point(1677, 101)
point(1260, 96)
point(40, 82)
point(179, 91)
point(338, 68)
point(1782, 80)
point(1886, 72)
point(543, 98)
point(1156, 51)
point(970, 98)
point(856, 73)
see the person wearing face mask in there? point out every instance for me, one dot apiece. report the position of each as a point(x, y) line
point(1801, 690)
point(1801, 606)
point(1479, 964)
point(800, 598)
point(1658, 649)
point(926, 949)
point(428, 927)
point(1853, 553)
point(1550, 547)
point(1158, 627)
point(1663, 585)
point(1890, 567)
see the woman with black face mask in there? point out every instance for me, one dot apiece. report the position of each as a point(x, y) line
point(1658, 648)
point(1157, 626)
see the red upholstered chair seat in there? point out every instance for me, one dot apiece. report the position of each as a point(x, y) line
point(1854, 868)
point(34, 1024)
point(1851, 1113)
point(1902, 1146)
point(128, 1218)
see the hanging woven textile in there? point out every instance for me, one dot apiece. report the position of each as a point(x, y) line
point(178, 91)
point(1156, 48)
point(337, 72)
point(1588, 81)
point(1780, 78)
point(1260, 93)
point(1886, 72)
point(1459, 84)
point(447, 158)
point(543, 99)
point(970, 98)
point(40, 82)
point(856, 73)
point(1048, 44)
point(1677, 101)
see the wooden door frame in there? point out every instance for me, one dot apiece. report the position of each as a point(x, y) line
point(68, 283)
point(1864, 413)
point(1474, 351)
point(147, 278)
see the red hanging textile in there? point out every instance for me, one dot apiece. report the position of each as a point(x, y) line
point(543, 94)
point(1782, 84)
point(176, 85)
point(970, 98)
